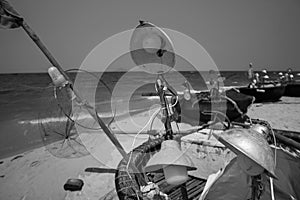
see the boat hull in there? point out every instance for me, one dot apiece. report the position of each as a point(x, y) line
point(200, 112)
point(292, 90)
point(128, 183)
point(264, 94)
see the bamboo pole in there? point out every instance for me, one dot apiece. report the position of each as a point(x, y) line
point(53, 61)
point(89, 108)
point(86, 104)
point(287, 141)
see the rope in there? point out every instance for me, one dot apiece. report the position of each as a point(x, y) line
point(266, 123)
point(152, 121)
point(68, 115)
point(130, 155)
point(275, 162)
point(234, 104)
point(272, 189)
point(105, 85)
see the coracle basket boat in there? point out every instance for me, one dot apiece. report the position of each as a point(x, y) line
point(232, 104)
point(292, 89)
point(197, 110)
point(264, 94)
point(128, 183)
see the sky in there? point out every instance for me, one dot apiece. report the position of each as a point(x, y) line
point(233, 32)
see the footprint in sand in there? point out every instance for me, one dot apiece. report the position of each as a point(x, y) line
point(16, 157)
point(35, 163)
point(112, 195)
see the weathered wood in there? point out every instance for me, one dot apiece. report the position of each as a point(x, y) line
point(124, 184)
point(290, 134)
point(184, 191)
point(287, 141)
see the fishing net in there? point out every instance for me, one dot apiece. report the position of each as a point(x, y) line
point(61, 117)
point(57, 127)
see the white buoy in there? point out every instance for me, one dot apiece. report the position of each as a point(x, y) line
point(57, 78)
point(187, 94)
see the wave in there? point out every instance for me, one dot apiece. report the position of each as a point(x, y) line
point(6, 91)
point(84, 116)
point(21, 90)
point(60, 119)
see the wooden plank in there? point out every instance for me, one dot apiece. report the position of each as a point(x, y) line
point(196, 192)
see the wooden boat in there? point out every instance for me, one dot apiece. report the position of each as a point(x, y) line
point(128, 184)
point(292, 89)
point(264, 94)
point(199, 109)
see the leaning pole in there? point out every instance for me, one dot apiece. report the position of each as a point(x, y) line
point(21, 22)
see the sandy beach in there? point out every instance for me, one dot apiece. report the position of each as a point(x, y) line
point(69, 67)
point(37, 174)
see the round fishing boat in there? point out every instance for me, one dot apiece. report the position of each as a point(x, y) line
point(292, 89)
point(264, 94)
point(212, 156)
point(207, 153)
point(128, 183)
point(198, 110)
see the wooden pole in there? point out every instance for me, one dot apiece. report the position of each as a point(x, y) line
point(167, 121)
point(184, 193)
point(86, 105)
point(89, 108)
point(53, 61)
point(287, 141)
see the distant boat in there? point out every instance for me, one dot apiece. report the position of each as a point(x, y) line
point(292, 89)
point(264, 94)
point(197, 110)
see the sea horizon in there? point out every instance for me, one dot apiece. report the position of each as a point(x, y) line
point(27, 99)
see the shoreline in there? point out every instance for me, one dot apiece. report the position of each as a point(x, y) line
point(283, 114)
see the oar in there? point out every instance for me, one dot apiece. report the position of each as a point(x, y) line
point(282, 135)
point(100, 170)
point(286, 140)
point(291, 134)
point(150, 94)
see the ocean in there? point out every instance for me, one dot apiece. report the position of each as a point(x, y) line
point(27, 100)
